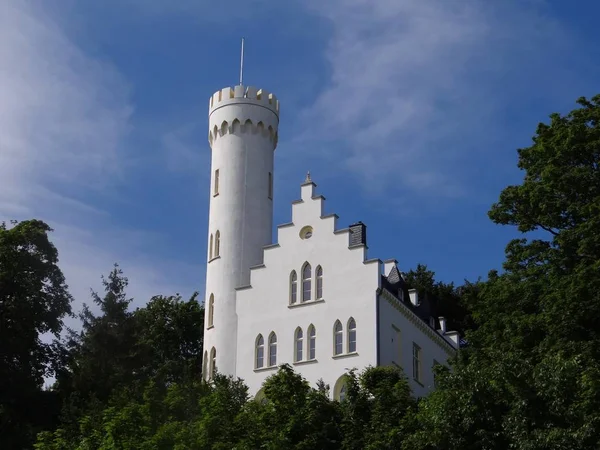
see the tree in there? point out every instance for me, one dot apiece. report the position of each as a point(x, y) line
point(530, 378)
point(169, 337)
point(378, 409)
point(33, 301)
point(451, 301)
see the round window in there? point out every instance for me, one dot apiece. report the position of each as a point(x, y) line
point(306, 232)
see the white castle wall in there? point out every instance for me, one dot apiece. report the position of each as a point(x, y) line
point(349, 290)
point(243, 125)
point(393, 315)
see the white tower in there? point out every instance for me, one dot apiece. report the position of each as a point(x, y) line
point(243, 123)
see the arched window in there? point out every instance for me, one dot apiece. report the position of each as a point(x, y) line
point(338, 338)
point(204, 365)
point(312, 342)
point(210, 247)
point(306, 282)
point(351, 335)
point(319, 277)
point(211, 311)
point(342, 395)
point(299, 339)
point(213, 363)
point(340, 388)
point(293, 287)
point(260, 351)
point(272, 349)
point(217, 243)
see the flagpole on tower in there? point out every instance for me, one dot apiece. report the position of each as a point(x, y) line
point(242, 64)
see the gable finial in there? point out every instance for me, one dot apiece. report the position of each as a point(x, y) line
point(308, 180)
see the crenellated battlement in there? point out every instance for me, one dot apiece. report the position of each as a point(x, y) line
point(236, 127)
point(244, 94)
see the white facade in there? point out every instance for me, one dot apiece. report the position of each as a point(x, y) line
point(311, 300)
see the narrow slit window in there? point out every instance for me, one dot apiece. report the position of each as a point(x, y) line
point(270, 187)
point(210, 247)
point(213, 362)
point(217, 243)
point(211, 311)
point(216, 183)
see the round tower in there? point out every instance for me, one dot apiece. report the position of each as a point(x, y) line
point(243, 124)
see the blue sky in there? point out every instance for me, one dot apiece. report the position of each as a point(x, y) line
point(408, 114)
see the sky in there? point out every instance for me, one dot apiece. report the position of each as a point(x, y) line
point(408, 114)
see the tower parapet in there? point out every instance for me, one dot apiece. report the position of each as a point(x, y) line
point(245, 117)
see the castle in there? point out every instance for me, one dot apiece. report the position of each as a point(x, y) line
point(312, 299)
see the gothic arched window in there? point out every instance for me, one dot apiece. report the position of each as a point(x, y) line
point(306, 282)
point(213, 363)
point(293, 287)
point(210, 247)
point(351, 335)
point(312, 342)
point(211, 311)
point(217, 243)
point(273, 349)
point(299, 340)
point(338, 338)
point(319, 283)
point(260, 351)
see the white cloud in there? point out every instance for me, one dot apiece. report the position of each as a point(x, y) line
point(63, 119)
point(416, 85)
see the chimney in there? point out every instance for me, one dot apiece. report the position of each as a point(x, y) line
point(414, 297)
point(358, 235)
point(442, 324)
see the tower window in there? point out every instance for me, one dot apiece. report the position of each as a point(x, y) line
point(204, 365)
point(293, 287)
point(273, 349)
point(260, 351)
point(306, 282)
point(299, 338)
point(319, 277)
point(312, 342)
point(270, 186)
point(351, 335)
point(417, 375)
point(217, 243)
point(216, 183)
point(213, 362)
point(210, 247)
point(211, 311)
point(338, 338)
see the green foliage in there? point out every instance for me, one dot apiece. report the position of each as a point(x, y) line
point(378, 409)
point(452, 302)
point(531, 376)
point(33, 301)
